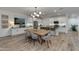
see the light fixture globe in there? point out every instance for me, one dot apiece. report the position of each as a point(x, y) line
point(40, 12)
point(36, 13)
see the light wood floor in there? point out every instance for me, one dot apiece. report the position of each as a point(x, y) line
point(62, 42)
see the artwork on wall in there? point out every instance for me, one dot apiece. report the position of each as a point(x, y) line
point(4, 21)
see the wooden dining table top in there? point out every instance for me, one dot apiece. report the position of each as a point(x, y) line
point(40, 32)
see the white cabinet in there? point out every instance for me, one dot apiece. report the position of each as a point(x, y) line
point(16, 31)
point(13, 31)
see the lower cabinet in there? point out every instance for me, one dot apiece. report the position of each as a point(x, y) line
point(17, 31)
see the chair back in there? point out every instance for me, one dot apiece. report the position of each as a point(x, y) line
point(27, 33)
point(34, 36)
point(51, 33)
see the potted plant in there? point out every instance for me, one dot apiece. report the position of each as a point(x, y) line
point(74, 27)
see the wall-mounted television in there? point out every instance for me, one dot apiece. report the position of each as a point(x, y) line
point(19, 21)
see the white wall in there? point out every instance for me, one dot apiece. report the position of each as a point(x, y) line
point(5, 32)
point(62, 19)
point(48, 21)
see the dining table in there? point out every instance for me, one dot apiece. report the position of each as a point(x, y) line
point(39, 32)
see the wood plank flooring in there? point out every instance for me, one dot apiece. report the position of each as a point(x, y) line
point(62, 42)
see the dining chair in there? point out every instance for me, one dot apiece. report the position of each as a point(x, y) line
point(52, 33)
point(27, 36)
point(47, 39)
point(34, 38)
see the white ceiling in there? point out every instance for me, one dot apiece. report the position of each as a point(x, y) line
point(46, 11)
